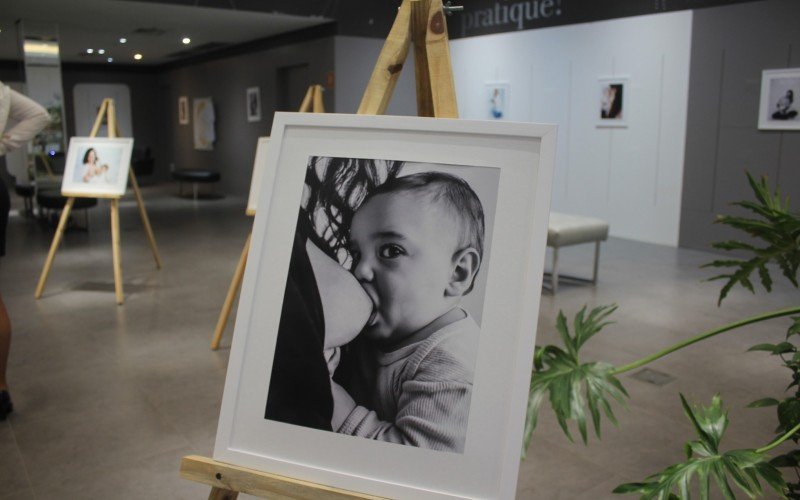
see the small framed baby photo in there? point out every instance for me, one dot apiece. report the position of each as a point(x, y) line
point(258, 171)
point(780, 99)
point(97, 167)
point(385, 332)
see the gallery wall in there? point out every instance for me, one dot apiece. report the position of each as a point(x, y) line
point(355, 60)
point(225, 81)
point(729, 52)
point(631, 177)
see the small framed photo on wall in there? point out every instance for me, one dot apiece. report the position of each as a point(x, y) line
point(613, 96)
point(183, 110)
point(497, 100)
point(778, 109)
point(254, 104)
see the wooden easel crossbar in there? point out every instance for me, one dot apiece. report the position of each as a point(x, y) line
point(108, 111)
point(422, 23)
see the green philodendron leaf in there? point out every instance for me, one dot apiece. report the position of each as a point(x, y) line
point(795, 328)
point(788, 414)
point(743, 469)
point(791, 459)
point(577, 391)
point(776, 227)
point(761, 403)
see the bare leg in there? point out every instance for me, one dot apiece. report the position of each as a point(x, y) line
point(5, 343)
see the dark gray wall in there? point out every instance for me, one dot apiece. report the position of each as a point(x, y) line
point(730, 48)
point(225, 81)
point(148, 126)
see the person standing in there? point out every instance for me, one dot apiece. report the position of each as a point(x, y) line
point(20, 120)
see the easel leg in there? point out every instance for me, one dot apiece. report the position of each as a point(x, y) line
point(145, 220)
point(235, 283)
point(222, 494)
point(115, 253)
point(62, 224)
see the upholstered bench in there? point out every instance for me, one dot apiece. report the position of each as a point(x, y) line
point(51, 200)
point(564, 230)
point(195, 176)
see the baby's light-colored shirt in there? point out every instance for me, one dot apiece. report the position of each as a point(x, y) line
point(423, 391)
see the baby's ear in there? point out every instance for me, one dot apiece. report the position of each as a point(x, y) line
point(465, 265)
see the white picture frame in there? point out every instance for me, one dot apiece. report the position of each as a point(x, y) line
point(259, 164)
point(779, 106)
point(183, 110)
point(523, 155)
point(97, 167)
point(253, 104)
point(497, 100)
point(613, 97)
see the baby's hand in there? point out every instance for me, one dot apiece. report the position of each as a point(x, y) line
point(343, 405)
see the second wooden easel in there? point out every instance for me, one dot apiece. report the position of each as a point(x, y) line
point(311, 102)
point(107, 111)
point(420, 21)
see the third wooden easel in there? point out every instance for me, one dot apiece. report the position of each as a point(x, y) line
point(420, 21)
point(107, 111)
point(311, 102)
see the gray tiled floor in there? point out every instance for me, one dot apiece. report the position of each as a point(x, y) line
point(108, 399)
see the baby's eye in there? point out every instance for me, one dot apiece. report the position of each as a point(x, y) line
point(390, 251)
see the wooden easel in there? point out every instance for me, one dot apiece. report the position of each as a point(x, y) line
point(420, 21)
point(108, 111)
point(313, 102)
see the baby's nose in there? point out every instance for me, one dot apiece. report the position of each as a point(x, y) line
point(363, 271)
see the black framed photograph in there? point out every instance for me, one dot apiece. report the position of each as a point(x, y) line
point(386, 326)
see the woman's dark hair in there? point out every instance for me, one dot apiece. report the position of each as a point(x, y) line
point(86, 155)
point(335, 188)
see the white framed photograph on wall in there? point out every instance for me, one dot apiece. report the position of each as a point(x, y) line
point(778, 108)
point(97, 167)
point(254, 104)
point(497, 94)
point(386, 326)
point(613, 101)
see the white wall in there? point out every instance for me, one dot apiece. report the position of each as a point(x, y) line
point(631, 177)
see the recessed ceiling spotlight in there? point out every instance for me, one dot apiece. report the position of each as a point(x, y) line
point(123, 40)
point(90, 51)
point(137, 57)
point(101, 51)
point(186, 40)
point(110, 59)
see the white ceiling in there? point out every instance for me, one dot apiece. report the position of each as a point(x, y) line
point(99, 24)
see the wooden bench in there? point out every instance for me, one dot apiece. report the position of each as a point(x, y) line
point(564, 230)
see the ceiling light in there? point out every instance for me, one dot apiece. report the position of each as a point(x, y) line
point(186, 40)
point(101, 51)
point(123, 40)
point(110, 59)
point(37, 48)
point(137, 57)
point(90, 51)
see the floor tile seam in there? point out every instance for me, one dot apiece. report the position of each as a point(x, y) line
point(21, 458)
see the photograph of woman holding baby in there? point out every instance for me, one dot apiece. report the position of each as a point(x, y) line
point(93, 171)
point(374, 339)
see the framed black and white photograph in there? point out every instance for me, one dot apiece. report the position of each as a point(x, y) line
point(612, 98)
point(183, 110)
point(253, 104)
point(386, 326)
point(778, 109)
point(258, 169)
point(97, 167)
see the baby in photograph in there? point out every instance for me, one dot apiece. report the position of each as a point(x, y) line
point(417, 245)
